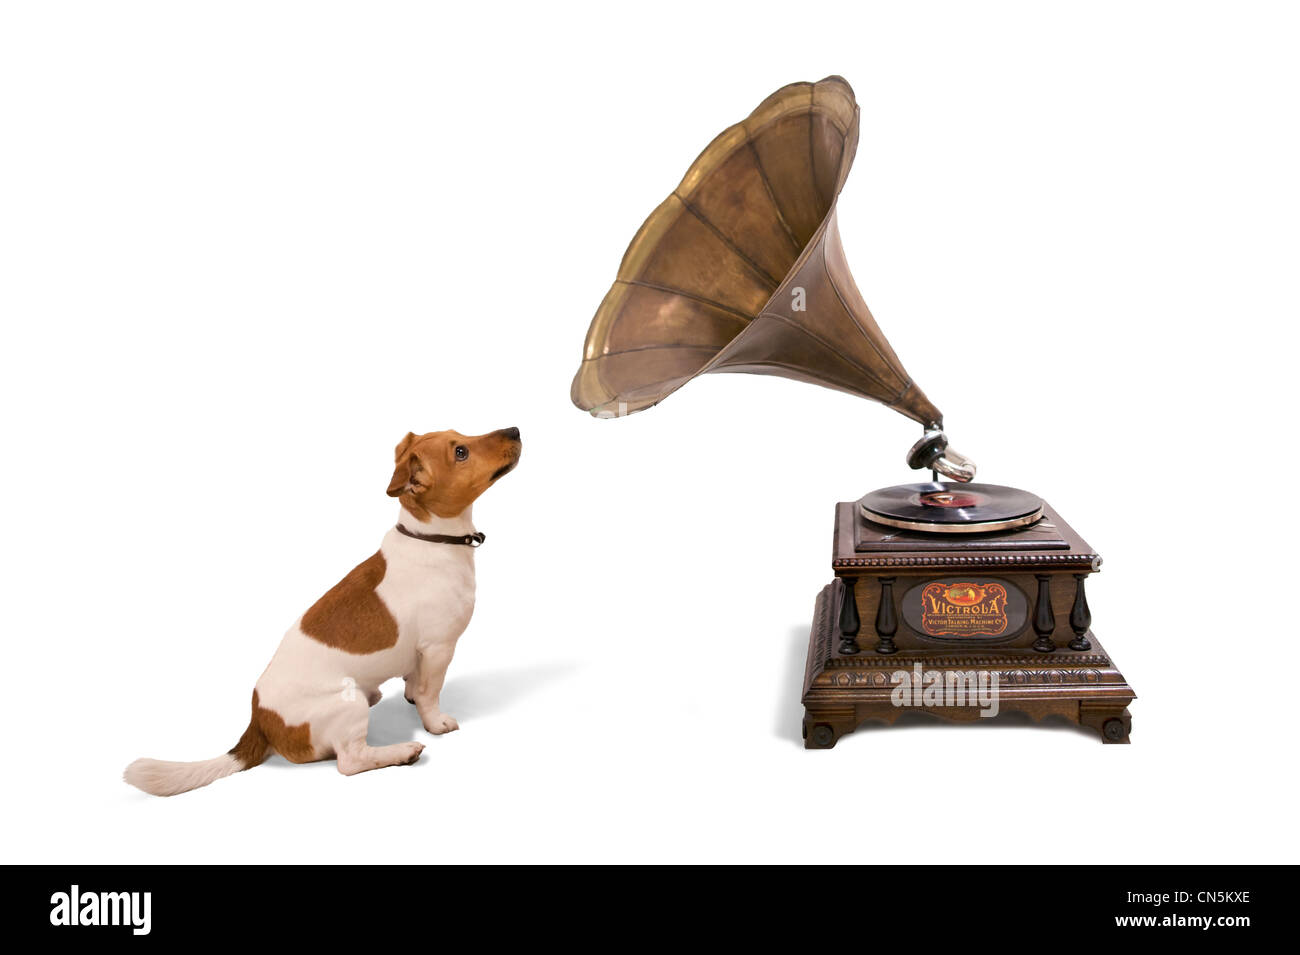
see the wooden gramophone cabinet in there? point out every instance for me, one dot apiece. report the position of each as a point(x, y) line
point(885, 614)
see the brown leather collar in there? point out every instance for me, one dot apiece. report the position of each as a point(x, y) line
point(470, 540)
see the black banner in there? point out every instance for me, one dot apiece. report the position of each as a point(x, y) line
point(138, 904)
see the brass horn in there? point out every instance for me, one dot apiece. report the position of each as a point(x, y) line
point(741, 269)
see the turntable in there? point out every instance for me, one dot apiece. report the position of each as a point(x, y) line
point(950, 596)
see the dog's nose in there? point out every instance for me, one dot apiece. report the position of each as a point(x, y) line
point(511, 433)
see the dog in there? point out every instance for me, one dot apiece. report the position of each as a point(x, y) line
point(398, 613)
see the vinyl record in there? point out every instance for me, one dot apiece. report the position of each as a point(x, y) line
point(943, 508)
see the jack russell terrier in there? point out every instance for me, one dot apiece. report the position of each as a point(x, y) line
point(398, 613)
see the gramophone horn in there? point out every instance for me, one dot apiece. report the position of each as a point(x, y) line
point(741, 269)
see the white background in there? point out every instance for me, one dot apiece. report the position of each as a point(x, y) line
point(245, 247)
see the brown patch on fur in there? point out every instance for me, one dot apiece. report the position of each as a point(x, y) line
point(252, 746)
point(267, 730)
point(291, 742)
point(430, 479)
point(351, 616)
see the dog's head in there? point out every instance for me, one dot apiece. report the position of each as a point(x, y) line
point(444, 472)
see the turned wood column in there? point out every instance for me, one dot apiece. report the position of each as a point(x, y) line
point(849, 623)
point(1080, 616)
point(1044, 619)
point(886, 618)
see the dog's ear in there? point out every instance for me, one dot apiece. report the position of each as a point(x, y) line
point(409, 473)
point(401, 478)
point(403, 446)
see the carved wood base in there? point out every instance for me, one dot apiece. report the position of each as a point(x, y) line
point(841, 692)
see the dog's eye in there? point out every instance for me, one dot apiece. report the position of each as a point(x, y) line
point(462, 452)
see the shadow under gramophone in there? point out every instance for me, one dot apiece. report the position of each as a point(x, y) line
point(924, 719)
point(789, 709)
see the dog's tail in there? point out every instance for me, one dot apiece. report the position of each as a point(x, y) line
point(162, 777)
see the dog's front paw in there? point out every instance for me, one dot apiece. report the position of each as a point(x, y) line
point(415, 750)
point(440, 723)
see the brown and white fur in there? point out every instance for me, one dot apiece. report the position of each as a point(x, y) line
point(398, 613)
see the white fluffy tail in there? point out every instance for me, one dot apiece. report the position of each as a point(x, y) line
point(162, 777)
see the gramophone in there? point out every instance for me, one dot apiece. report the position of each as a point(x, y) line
point(961, 585)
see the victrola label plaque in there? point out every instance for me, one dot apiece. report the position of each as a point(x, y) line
point(957, 608)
